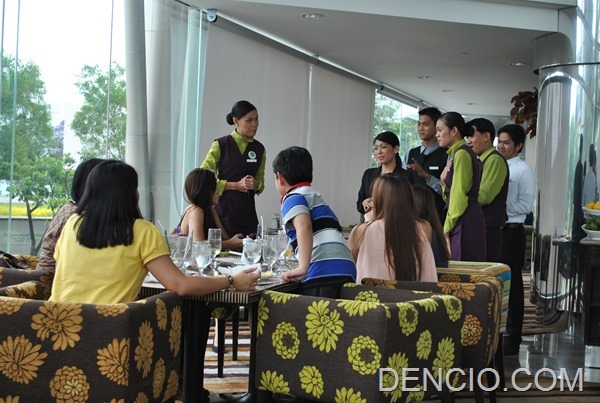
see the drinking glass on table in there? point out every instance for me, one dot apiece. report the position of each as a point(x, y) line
point(270, 251)
point(202, 254)
point(214, 239)
point(282, 245)
point(177, 246)
point(251, 251)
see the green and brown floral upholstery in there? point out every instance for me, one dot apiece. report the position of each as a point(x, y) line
point(68, 352)
point(28, 289)
point(471, 272)
point(481, 303)
point(11, 276)
point(332, 350)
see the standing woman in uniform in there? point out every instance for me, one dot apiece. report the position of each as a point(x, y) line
point(464, 226)
point(239, 161)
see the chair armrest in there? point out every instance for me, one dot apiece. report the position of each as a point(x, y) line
point(11, 276)
point(27, 290)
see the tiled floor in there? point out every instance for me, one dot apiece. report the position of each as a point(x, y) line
point(555, 351)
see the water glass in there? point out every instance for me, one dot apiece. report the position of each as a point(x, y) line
point(214, 238)
point(270, 251)
point(177, 245)
point(251, 251)
point(202, 254)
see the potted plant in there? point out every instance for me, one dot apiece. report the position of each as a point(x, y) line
point(525, 110)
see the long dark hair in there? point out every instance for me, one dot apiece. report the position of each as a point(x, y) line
point(109, 206)
point(393, 202)
point(80, 177)
point(425, 209)
point(200, 185)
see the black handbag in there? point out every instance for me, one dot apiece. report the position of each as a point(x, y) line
point(8, 260)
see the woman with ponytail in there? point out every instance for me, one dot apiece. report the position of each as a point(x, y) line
point(464, 226)
point(239, 161)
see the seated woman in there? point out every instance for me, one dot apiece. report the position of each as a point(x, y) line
point(202, 194)
point(106, 248)
point(46, 254)
point(392, 243)
point(426, 210)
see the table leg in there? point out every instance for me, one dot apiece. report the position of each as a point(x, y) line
point(250, 396)
point(195, 335)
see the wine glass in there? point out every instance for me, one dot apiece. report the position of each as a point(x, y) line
point(202, 254)
point(214, 239)
point(270, 252)
point(282, 245)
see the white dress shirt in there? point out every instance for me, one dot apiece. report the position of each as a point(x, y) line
point(521, 190)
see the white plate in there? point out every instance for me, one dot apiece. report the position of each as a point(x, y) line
point(591, 212)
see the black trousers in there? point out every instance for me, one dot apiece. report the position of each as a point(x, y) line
point(493, 244)
point(513, 254)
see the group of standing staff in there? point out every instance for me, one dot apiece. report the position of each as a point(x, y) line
point(482, 195)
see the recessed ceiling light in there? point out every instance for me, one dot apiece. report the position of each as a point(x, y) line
point(423, 77)
point(447, 90)
point(517, 64)
point(313, 16)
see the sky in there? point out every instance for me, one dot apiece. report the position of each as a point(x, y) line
point(61, 36)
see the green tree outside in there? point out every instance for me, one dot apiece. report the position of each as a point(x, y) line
point(41, 175)
point(28, 114)
point(100, 136)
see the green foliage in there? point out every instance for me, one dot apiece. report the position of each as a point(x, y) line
point(99, 136)
point(41, 176)
point(28, 115)
point(46, 181)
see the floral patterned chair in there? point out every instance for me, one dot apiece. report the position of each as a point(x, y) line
point(482, 296)
point(11, 276)
point(332, 350)
point(471, 272)
point(67, 352)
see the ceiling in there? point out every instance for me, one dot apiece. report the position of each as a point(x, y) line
point(453, 54)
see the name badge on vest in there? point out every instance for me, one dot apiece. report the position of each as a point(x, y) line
point(251, 157)
point(434, 168)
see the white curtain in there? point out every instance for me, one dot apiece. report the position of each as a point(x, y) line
point(339, 138)
point(298, 104)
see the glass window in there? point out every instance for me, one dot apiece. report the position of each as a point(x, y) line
point(63, 100)
point(402, 119)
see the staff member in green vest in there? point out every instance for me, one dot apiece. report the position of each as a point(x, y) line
point(493, 188)
point(239, 161)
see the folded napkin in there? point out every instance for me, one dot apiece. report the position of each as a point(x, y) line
point(151, 279)
point(232, 270)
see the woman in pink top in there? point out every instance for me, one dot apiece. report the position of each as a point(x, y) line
point(392, 243)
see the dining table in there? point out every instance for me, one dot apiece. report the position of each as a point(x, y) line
point(196, 325)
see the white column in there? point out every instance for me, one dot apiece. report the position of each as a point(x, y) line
point(136, 140)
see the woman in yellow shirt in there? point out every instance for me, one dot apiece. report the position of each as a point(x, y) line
point(106, 248)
